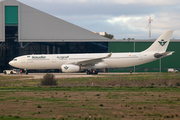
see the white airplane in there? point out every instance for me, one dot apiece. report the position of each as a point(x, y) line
point(69, 63)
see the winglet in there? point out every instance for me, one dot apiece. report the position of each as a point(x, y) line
point(109, 55)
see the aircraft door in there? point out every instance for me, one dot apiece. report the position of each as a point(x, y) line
point(54, 59)
point(140, 57)
point(23, 60)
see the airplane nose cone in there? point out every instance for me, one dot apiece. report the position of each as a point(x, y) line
point(11, 63)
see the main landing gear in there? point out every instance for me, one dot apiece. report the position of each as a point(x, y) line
point(26, 72)
point(94, 72)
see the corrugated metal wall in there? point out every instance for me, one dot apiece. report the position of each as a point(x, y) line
point(167, 62)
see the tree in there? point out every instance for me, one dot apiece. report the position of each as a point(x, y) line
point(109, 36)
point(48, 79)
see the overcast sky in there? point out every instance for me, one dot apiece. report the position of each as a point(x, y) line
point(122, 18)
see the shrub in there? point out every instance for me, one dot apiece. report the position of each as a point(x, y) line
point(177, 84)
point(167, 116)
point(60, 117)
point(1, 116)
point(97, 94)
point(86, 99)
point(48, 79)
point(152, 83)
point(101, 105)
point(39, 106)
point(16, 116)
point(79, 116)
point(122, 115)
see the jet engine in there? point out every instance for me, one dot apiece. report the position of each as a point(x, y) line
point(69, 68)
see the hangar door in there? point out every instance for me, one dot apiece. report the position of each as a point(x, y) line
point(11, 15)
point(11, 34)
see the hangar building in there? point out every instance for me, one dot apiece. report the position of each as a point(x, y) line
point(26, 30)
point(161, 65)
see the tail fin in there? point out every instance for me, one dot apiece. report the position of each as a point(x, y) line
point(161, 44)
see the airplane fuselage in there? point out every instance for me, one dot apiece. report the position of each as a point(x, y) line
point(55, 61)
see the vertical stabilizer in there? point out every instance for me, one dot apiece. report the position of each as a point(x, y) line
point(161, 44)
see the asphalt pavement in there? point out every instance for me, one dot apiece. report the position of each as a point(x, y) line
point(62, 75)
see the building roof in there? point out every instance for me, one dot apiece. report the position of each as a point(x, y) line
point(141, 40)
point(37, 26)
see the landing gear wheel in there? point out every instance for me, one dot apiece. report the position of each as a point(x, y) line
point(95, 72)
point(26, 72)
point(87, 72)
point(92, 72)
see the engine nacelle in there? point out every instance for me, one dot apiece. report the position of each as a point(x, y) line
point(69, 68)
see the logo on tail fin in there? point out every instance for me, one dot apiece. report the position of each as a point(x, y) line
point(162, 42)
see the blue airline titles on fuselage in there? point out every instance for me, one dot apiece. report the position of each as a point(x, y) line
point(44, 57)
point(62, 57)
point(38, 57)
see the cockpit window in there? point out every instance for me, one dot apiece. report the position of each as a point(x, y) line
point(15, 60)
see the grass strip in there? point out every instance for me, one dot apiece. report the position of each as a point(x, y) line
point(101, 89)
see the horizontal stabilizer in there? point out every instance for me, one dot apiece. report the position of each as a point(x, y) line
point(160, 55)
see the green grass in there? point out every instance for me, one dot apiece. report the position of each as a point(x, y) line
point(101, 89)
point(145, 79)
point(10, 117)
point(105, 99)
point(18, 99)
point(107, 108)
point(14, 77)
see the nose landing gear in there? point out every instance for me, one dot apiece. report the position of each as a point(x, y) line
point(23, 71)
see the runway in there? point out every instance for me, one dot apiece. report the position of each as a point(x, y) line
point(63, 75)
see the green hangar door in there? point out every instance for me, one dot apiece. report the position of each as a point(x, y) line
point(11, 32)
point(11, 22)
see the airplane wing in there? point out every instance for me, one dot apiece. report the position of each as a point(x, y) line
point(159, 55)
point(91, 61)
